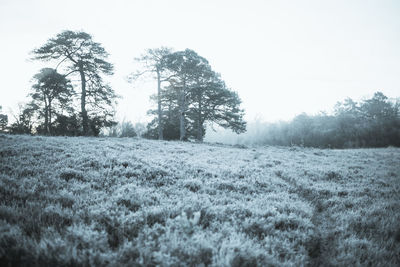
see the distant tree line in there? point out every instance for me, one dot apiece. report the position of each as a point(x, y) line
point(374, 122)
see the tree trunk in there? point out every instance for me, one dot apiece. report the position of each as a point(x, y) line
point(49, 122)
point(182, 129)
point(199, 121)
point(160, 125)
point(46, 116)
point(85, 119)
point(199, 130)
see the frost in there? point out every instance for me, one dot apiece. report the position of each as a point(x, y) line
point(124, 202)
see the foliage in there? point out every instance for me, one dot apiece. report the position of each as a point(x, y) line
point(3, 120)
point(51, 95)
point(24, 123)
point(170, 129)
point(127, 129)
point(81, 56)
point(68, 125)
point(374, 122)
point(122, 129)
point(195, 95)
point(140, 128)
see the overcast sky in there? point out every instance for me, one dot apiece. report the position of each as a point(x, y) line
point(282, 57)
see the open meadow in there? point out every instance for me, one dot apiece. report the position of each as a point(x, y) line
point(132, 202)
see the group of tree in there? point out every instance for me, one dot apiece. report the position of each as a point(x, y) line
point(59, 106)
point(190, 95)
point(73, 99)
point(374, 122)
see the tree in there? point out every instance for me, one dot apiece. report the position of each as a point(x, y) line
point(122, 129)
point(66, 125)
point(80, 55)
point(51, 91)
point(213, 102)
point(153, 63)
point(348, 106)
point(196, 95)
point(186, 67)
point(140, 128)
point(379, 108)
point(170, 116)
point(3, 120)
point(127, 129)
point(349, 124)
point(382, 120)
point(23, 120)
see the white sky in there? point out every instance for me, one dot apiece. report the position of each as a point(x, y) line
point(282, 57)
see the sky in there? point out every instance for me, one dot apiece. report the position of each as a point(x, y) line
point(282, 57)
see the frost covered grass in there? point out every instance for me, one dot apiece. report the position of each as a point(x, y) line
point(132, 202)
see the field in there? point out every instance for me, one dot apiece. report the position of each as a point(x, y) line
point(133, 202)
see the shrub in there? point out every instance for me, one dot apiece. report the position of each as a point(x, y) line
point(68, 174)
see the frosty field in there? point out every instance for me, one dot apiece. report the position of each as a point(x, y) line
point(133, 202)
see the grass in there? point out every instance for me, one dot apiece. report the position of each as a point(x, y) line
point(132, 202)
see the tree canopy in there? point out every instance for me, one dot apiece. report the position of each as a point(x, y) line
point(195, 95)
point(79, 55)
point(51, 94)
